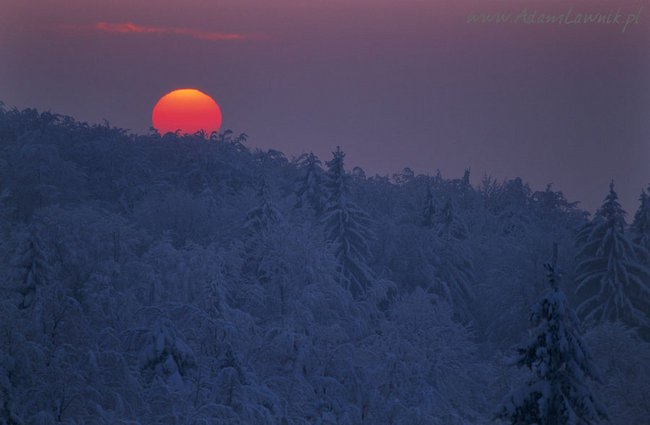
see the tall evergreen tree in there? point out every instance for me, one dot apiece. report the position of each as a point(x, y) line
point(259, 224)
point(260, 217)
point(612, 281)
point(451, 267)
point(429, 211)
point(347, 228)
point(558, 392)
point(454, 269)
point(464, 182)
point(32, 267)
point(641, 223)
point(449, 225)
point(308, 189)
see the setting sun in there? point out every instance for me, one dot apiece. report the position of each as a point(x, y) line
point(187, 110)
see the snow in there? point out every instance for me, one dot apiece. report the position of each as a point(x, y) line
point(152, 279)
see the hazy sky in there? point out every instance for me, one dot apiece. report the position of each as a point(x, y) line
point(395, 82)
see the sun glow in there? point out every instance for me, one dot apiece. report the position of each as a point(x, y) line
point(187, 110)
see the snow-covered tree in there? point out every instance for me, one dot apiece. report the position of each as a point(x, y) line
point(612, 281)
point(165, 354)
point(423, 364)
point(264, 214)
point(558, 392)
point(31, 267)
point(641, 223)
point(453, 276)
point(464, 181)
point(347, 228)
point(448, 262)
point(272, 261)
point(624, 358)
point(309, 189)
point(550, 201)
point(173, 293)
point(449, 225)
point(430, 210)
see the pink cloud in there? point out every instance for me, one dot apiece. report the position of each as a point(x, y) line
point(131, 28)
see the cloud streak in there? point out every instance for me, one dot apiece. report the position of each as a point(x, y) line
point(131, 28)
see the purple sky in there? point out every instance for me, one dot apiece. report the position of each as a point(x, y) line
point(395, 82)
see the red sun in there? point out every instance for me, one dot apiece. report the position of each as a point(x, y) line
point(187, 110)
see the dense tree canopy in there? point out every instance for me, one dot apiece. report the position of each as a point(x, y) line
point(178, 279)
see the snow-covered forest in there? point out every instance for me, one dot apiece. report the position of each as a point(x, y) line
point(171, 279)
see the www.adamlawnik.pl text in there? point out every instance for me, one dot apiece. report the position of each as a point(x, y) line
point(569, 17)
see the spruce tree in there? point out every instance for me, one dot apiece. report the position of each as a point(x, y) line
point(308, 188)
point(264, 214)
point(32, 270)
point(641, 223)
point(259, 225)
point(454, 269)
point(347, 229)
point(449, 225)
point(429, 211)
point(612, 281)
point(464, 182)
point(558, 392)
